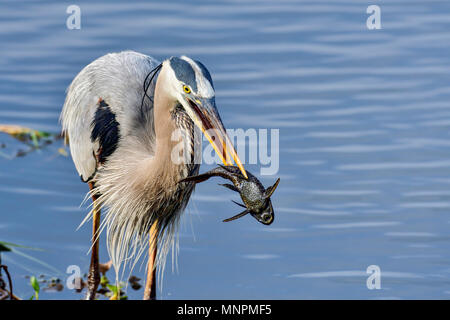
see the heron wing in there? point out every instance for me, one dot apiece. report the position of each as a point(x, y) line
point(103, 109)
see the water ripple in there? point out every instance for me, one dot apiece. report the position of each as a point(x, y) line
point(367, 224)
point(354, 273)
point(396, 165)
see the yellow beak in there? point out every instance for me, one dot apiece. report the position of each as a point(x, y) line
point(211, 125)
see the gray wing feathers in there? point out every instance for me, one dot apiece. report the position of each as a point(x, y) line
point(117, 78)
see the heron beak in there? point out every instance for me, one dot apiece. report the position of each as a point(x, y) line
point(208, 120)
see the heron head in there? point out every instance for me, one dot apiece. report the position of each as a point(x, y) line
point(189, 83)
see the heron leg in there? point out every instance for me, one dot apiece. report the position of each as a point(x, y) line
point(94, 271)
point(150, 284)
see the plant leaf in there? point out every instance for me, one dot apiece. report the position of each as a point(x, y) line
point(4, 248)
point(113, 288)
point(10, 244)
point(34, 283)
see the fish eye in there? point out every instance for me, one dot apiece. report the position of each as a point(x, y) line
point(186, 89)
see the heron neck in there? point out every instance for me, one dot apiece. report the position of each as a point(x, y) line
point(164, 130)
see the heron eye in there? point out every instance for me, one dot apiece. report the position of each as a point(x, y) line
point(186, 89)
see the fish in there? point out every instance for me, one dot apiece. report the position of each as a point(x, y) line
point(256, 198)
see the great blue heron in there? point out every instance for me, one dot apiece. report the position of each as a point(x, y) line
point(119, 117)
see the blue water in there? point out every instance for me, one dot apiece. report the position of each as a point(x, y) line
point(364, 120)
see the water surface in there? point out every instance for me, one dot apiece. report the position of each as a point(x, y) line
point(364, 142)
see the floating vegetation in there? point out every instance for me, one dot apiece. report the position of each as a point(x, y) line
point(13, 248)
point(134, 282)
point(106, 289)
point(6, 293)
point(33, 139)
point(41, 283)
point(46, 284)
point(54, 285)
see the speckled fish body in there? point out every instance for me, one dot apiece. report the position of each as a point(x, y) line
point(255, 197)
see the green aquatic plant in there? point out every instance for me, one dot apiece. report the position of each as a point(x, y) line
point(34, 139)
point(35, 285)
point(8, 246)
point(13, 248)
point(25, 134)
point(112, 291)
point(4, 247)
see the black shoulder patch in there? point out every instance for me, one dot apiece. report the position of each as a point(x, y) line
point(105, 129)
